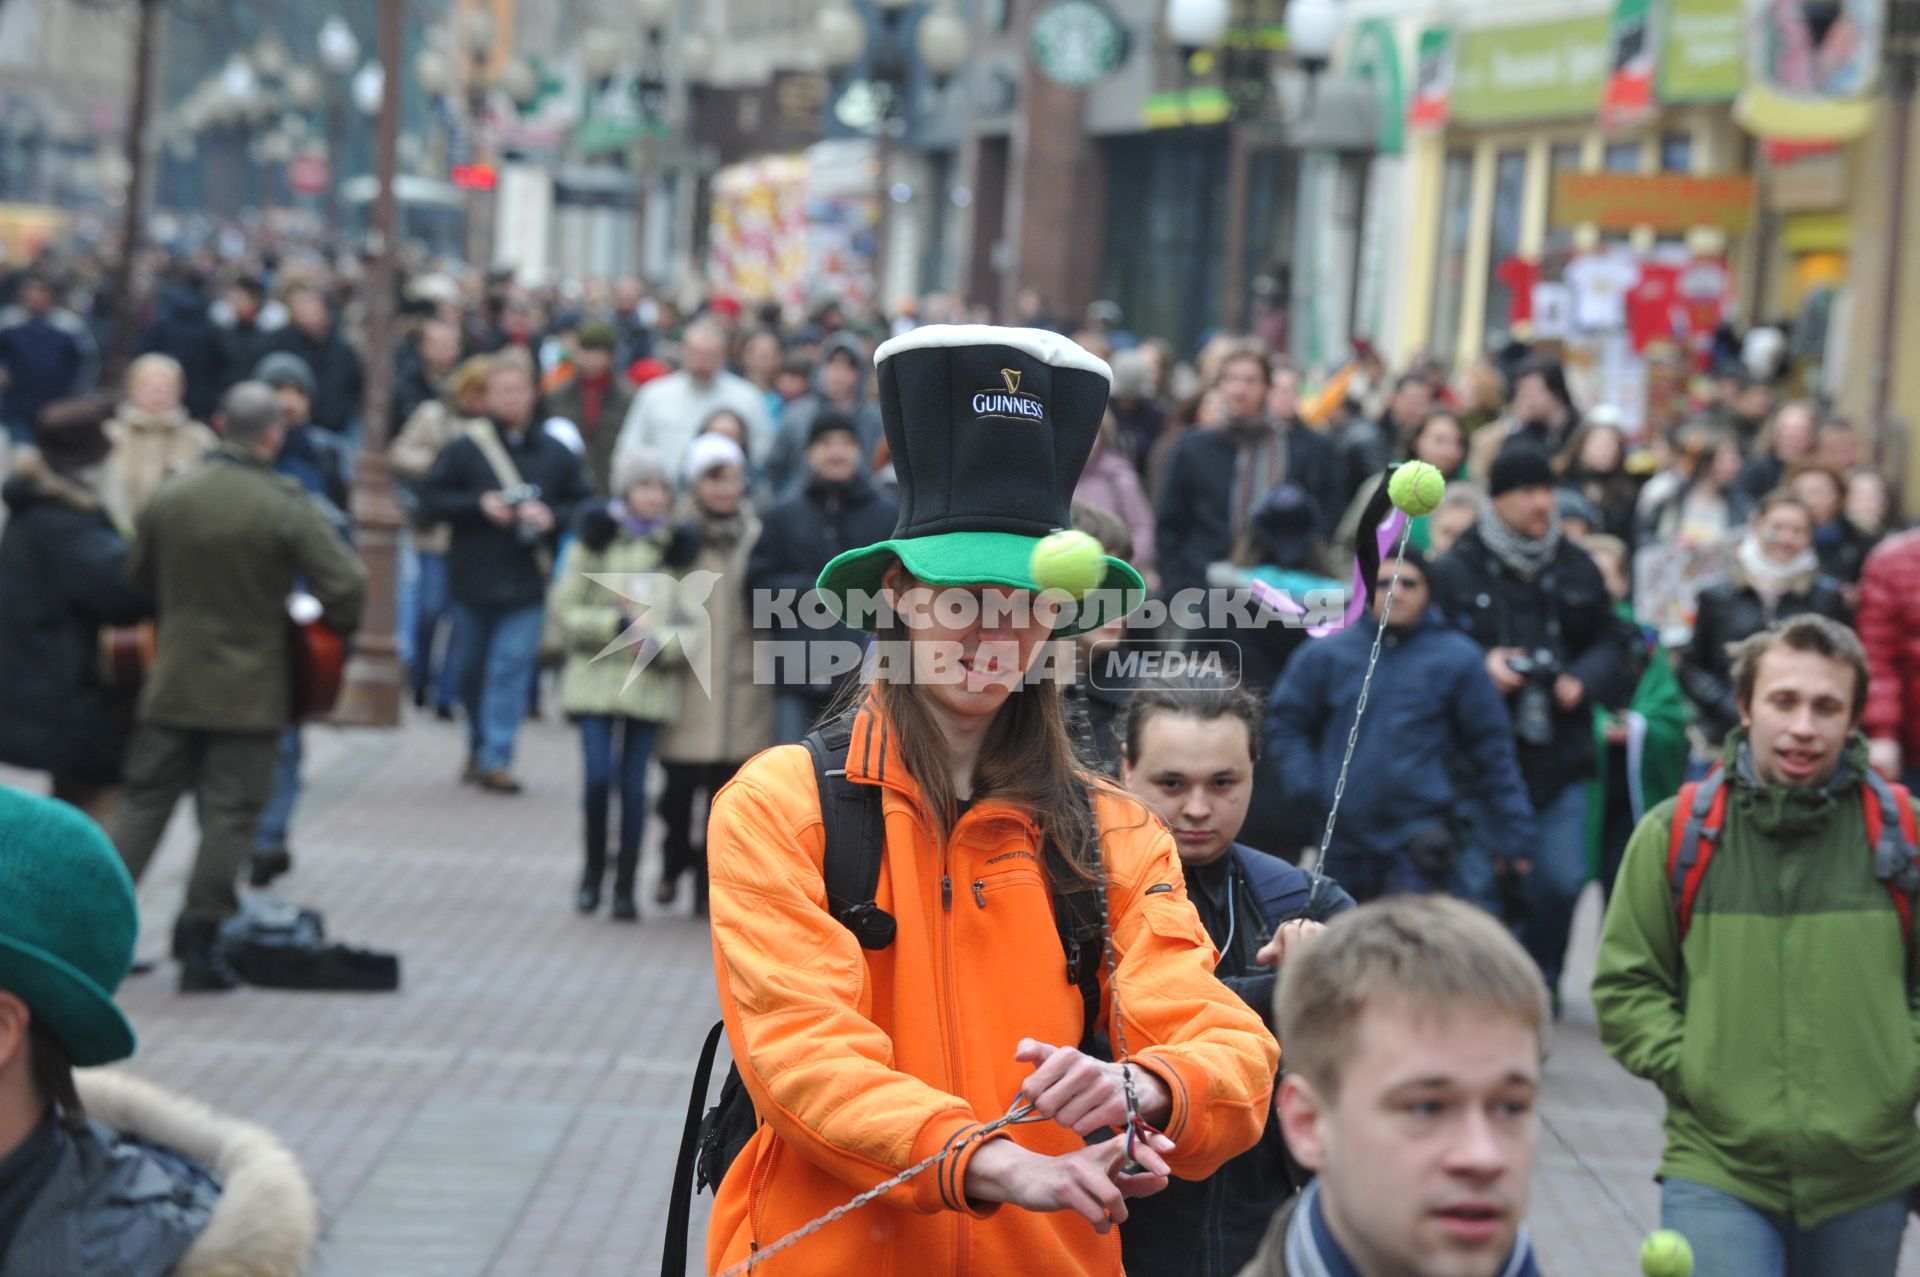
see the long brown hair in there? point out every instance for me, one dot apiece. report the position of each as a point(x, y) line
point(1027, 758)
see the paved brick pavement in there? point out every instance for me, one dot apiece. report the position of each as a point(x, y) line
point(514, 1110)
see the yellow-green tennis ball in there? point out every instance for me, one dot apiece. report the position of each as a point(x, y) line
point(1071, 561)
point(1666, 1253)
point(1417, 487)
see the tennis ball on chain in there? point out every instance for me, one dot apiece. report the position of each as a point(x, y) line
point(1072, 561)
point(1666, 1253)
point(1417, 488)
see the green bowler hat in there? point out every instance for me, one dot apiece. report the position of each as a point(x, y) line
point(989, 429)
point(68, 922)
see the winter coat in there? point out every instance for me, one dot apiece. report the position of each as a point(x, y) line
point(799, 537)
point(158, 1185)
point(490, 566)
point(1111, 483)
point(668, 412)
point(1435, 724)
point(1889, 626)
point(183, 329)
point(1140, 423)
point(726, 708)
point(62, 577)
point(1727, 613)
point(219, 550)
point(242, 347)
point(1657, 750)
point(1782, 1029)
point(412, 384)
point(146, 449)
point(1843, 549)
point(600, 432)
point(422, 439)
point(45, 358)
point(785, 462)
point(591, 614)
point(315, 460)
point(863, 1063)
point(1195, 507)
point(1497, 608)
point(1210, 1227)
point(340, 391)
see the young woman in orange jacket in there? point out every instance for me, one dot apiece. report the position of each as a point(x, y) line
point(863, 1062)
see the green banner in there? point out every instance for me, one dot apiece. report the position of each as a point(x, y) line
point(1703, 58)
point(1555, 70)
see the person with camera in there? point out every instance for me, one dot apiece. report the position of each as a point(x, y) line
point(1538, 607)
point(1433, 709)
point(505, 487)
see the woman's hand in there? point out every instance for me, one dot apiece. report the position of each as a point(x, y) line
point(1084, 1094)
point(1087, 1181)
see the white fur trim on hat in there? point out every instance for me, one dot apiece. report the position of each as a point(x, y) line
point(708, 451)
point(1047, 347)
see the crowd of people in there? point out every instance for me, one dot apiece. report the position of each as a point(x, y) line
point(605, 489)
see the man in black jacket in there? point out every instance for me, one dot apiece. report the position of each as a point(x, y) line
point(838, 510)
point(504, 488)
point(1191, 748)
point(243, 342)
point(339, 379)
point(1540, 608)
point(1216, 478)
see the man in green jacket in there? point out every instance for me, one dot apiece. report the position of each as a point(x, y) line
point(219, 549)
point(1781, 1022)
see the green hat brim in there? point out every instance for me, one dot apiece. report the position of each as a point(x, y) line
point(971, 558)
point(75, 1009)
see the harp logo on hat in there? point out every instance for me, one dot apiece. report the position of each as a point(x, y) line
point(1009, 402)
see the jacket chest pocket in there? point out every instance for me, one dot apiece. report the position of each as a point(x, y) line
point(1019, 887)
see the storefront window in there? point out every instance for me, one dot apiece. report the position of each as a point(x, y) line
point(1676, 153)
point(1503, 239)
point(1562, 157)
point(1456, 217)
point(1623, 157)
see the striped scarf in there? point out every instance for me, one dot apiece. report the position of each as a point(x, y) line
point(1259, 466)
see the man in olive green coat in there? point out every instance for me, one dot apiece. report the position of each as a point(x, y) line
point(1782, 1022)
point(219, 549)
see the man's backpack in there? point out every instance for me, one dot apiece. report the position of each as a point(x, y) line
point(856, 845)
point(1891, 833)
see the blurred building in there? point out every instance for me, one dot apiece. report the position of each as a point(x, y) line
point(65, 78)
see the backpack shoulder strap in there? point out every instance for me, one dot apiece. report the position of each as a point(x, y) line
point(1697, 821)
point(483, 436)
point(1891, 834)
point(673, 1259)
point(856, 837)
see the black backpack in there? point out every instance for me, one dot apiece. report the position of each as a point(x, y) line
point(855, 833)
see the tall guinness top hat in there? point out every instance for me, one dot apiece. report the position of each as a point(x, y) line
point(989, 429)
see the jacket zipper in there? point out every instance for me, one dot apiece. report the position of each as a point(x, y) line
point(952, 1027)
point(756, 1197)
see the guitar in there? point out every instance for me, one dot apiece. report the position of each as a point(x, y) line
point(318, 654)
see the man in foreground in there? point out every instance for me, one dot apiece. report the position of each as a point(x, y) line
point(1414, 1029)
point(1770, 996)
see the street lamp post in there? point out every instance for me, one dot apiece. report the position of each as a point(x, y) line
point(339, 55)
point(941, 43)
point(1201, 26)
point(370, 694)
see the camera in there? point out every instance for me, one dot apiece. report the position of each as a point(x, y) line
point(517, 496)
point(1533, 703)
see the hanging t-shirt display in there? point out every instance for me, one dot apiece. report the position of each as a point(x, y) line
point(1519, 276)
point(1705, 287)
point(1600, 282)
point(1552, 312)
point(1654, 311)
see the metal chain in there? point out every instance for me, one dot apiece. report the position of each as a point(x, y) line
point(1360, 708)
point(1020, 1113)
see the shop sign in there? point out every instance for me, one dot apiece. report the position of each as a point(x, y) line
point(1555, 70)
point(1663, 201)
point(1807, 180)
point(1703, 58)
